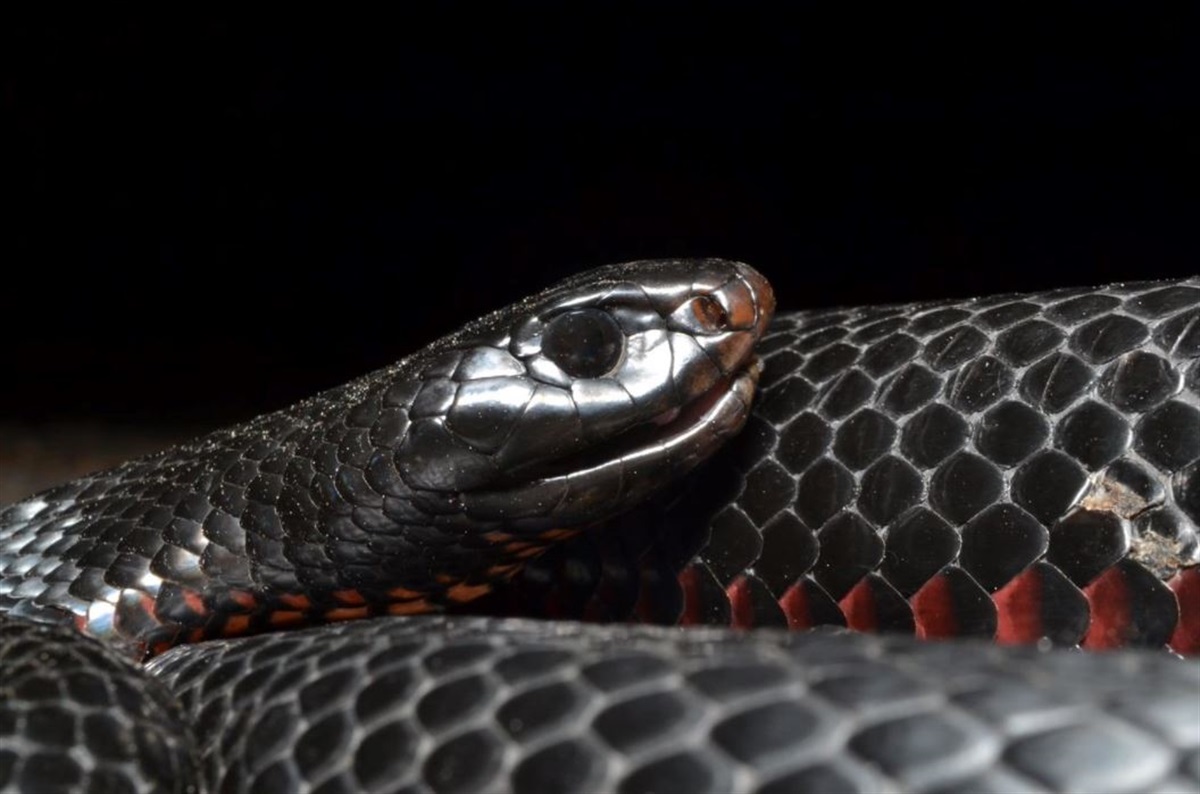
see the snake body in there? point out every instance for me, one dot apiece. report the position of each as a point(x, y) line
point(1020, 468)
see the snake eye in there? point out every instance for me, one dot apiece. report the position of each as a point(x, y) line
point(585, 343)
point(709, 313)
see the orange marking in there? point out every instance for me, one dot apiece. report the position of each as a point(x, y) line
point(558, 534)
point(462, 593)
point(532, 551)
point(295, 601)
point(159, 647)
point(283, 618)
point(194, 602)
point(404, 593)
point(496, 536)
point(445, 579)
point(196, 635)
point(517, 546)
point(236, 625)
point(409, 608)
point(347, 613)
point(349, 597)
point(243, 599)
point(500, 571)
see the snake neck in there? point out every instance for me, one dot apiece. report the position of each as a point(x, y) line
point(413, 488)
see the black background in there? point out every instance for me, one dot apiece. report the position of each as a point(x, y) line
point(210, 217)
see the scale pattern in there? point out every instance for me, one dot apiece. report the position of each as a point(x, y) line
point(1023, 468)
point(74, 716)
point(415, 486)
point(467, 705)
point(1018, 467)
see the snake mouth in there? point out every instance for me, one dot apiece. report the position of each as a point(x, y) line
point(607, 478)
point(696, 427)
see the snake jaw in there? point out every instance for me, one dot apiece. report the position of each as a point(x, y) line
point(682, 390)
point(605, 481)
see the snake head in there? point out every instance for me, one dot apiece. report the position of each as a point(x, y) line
point(578, 402)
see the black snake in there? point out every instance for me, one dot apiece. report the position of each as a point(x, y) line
point(1019, 468)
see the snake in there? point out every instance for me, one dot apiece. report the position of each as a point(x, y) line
point(640, 533)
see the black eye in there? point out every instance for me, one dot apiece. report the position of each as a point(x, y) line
point(585, 343)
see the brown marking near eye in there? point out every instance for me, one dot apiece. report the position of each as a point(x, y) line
point(739, 304)
point(462, 593)
point(347, 613)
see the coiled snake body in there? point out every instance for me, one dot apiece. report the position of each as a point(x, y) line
point(1021, 468)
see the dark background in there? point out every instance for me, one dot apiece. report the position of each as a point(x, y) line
point(209, 217)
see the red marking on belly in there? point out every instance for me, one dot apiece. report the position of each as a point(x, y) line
point(859, 607)
point(689, 583)
point(794, 603)
point(741, 607)
point(1186, 585)
point(1108, 597)
point(933, 609)
point(1019, 610)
